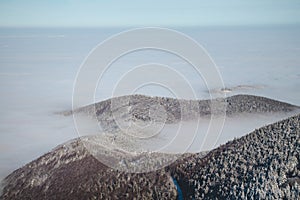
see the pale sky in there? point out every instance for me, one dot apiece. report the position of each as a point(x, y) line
point(99, 13)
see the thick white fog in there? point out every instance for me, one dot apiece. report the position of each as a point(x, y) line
point(38, 68)
point(191, 138)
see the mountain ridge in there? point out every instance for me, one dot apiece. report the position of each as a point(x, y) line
point(262, 164)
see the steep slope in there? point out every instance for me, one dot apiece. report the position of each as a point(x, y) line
point(264, 164)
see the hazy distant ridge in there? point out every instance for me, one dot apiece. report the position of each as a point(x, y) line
point(136, 107)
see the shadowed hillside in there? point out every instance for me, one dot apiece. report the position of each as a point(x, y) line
point(264, 164)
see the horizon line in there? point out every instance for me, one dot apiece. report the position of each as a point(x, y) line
point(158, 26)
